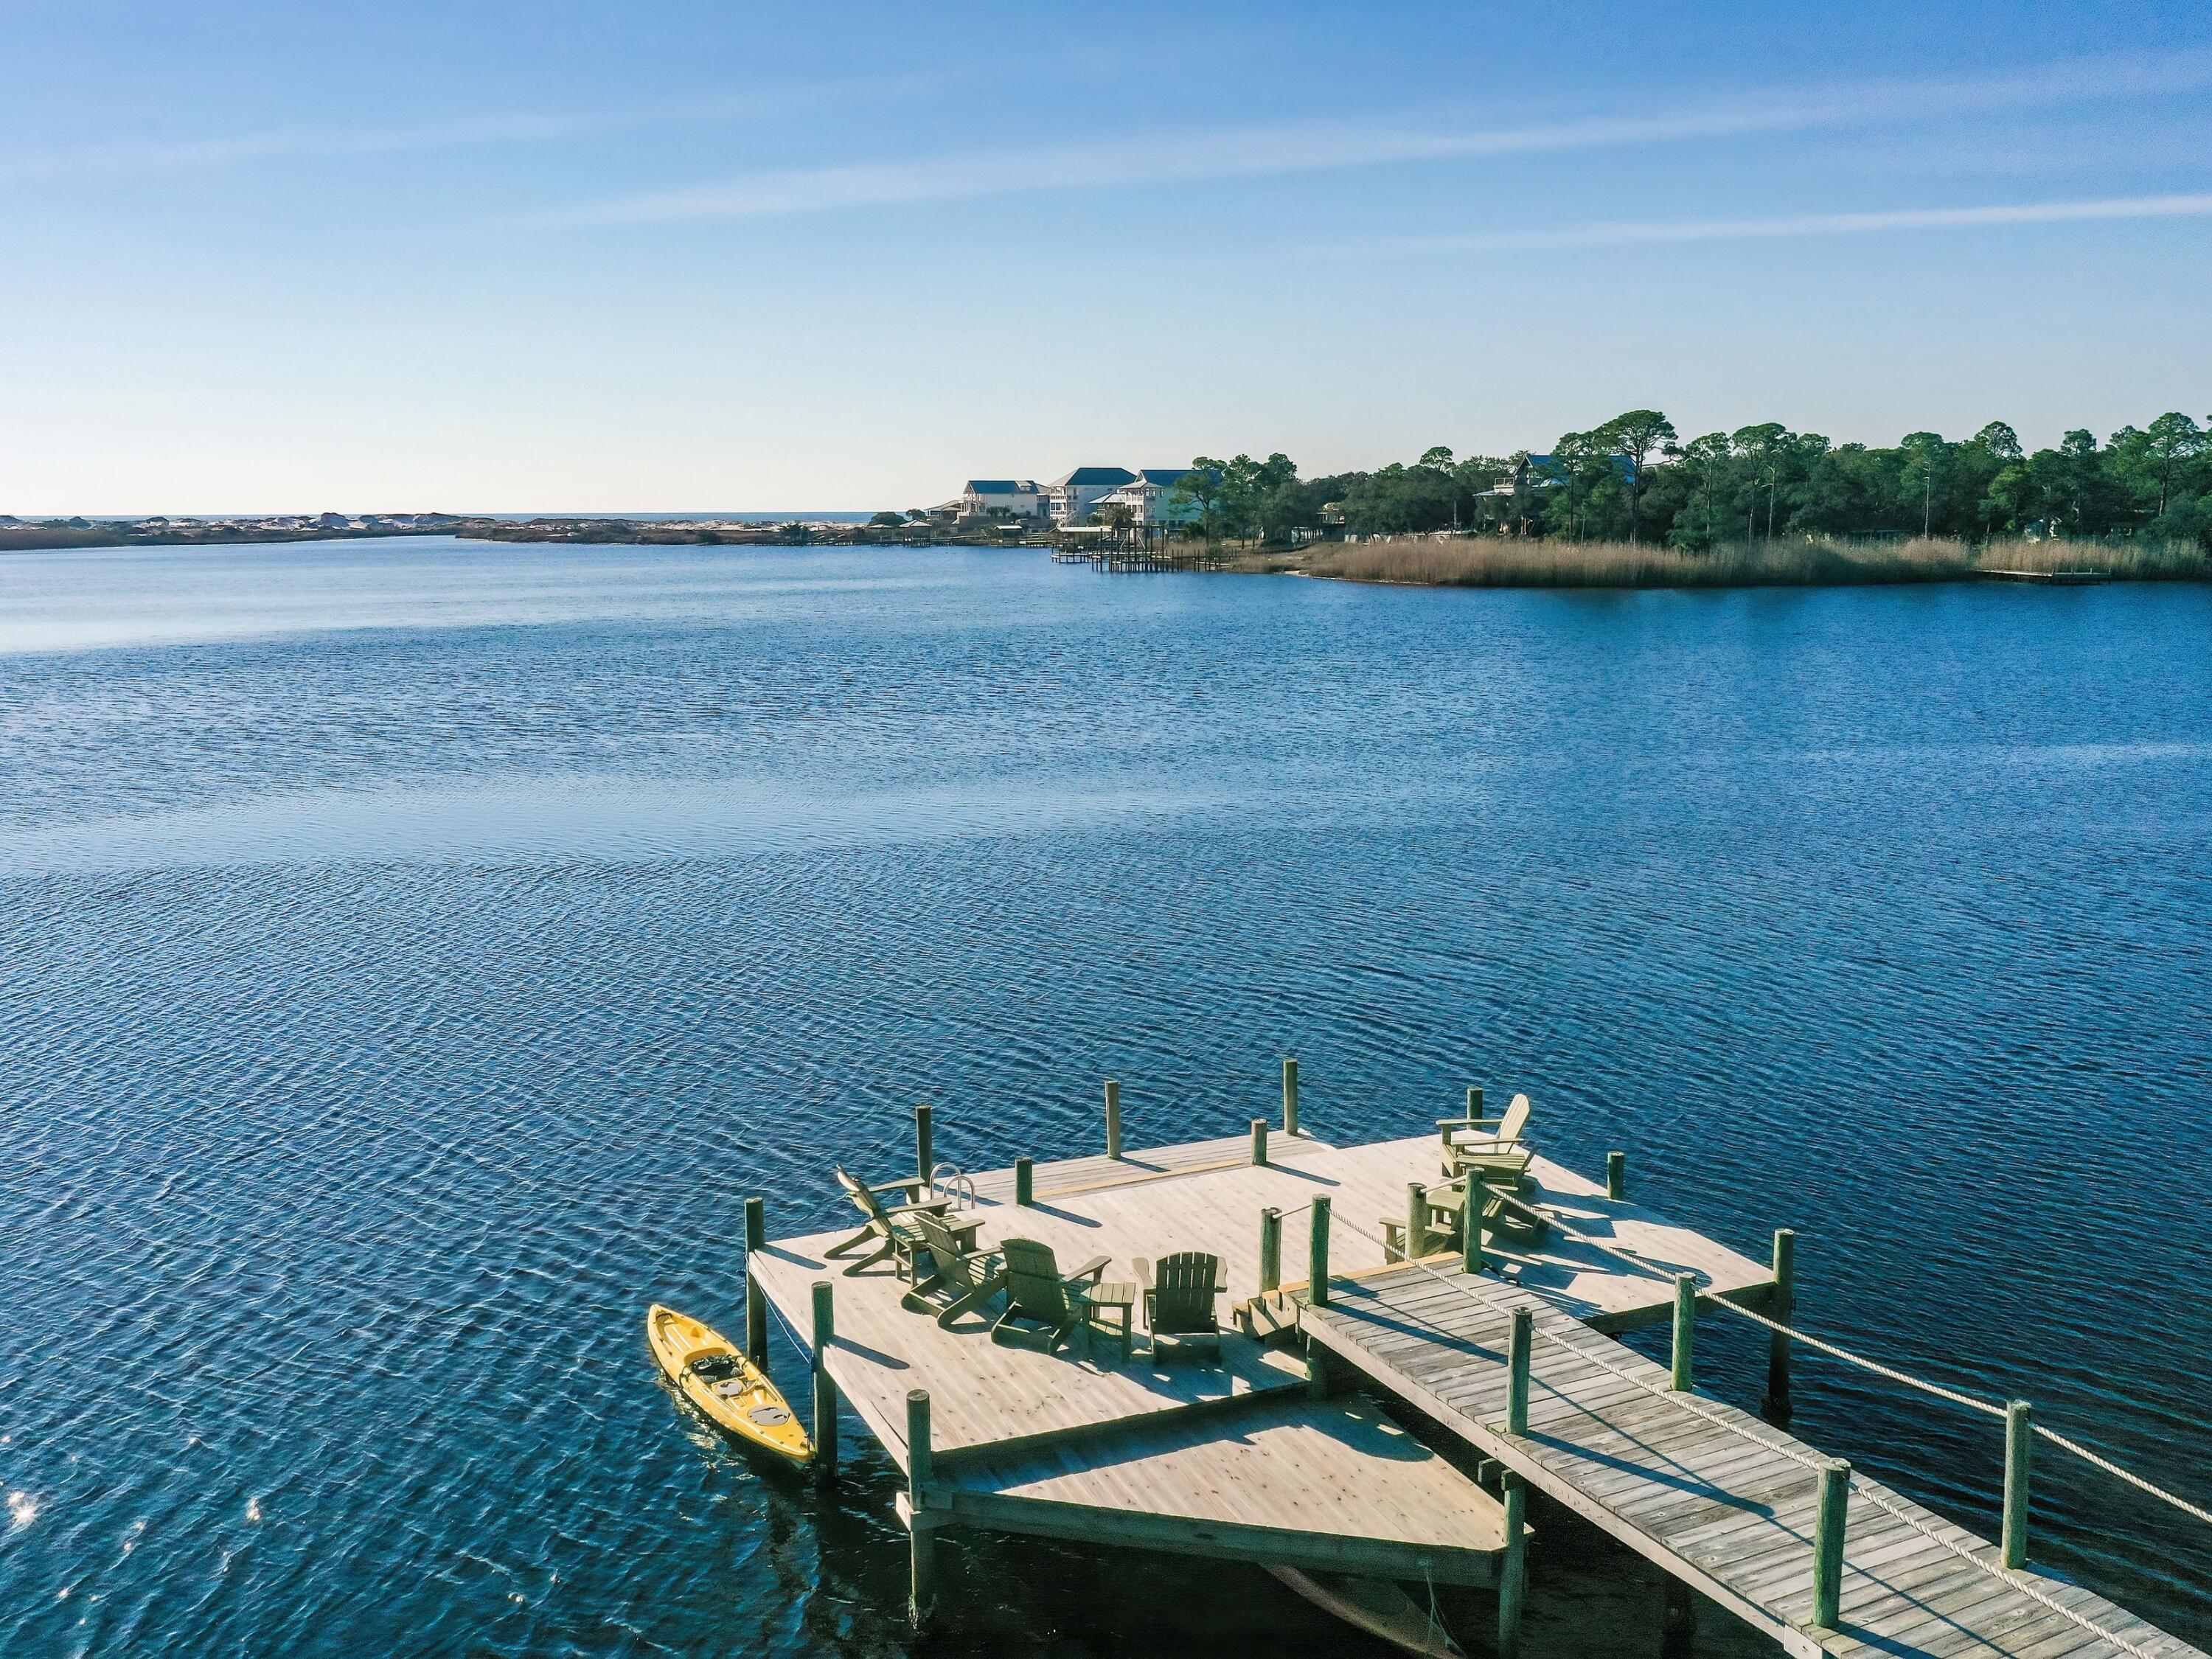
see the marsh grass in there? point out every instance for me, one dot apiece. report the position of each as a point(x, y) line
point(1488, 561)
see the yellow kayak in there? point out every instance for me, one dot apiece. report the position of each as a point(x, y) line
point(725, 1385)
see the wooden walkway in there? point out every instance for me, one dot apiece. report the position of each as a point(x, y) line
point(1721, 1500)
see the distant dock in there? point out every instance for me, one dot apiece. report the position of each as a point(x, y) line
point(2059, 578)
point(1340, 1300)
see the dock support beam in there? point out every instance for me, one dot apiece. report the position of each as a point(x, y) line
point(1513, 1570)
point(2020, 1437)
point(1783, 1311)
point(1271, 1249)
point(1470, 1227)
point(1686, 1330)
point(1616, 1176)
point(825, 1391)
point(925, 1147)
point(1113, 1119)
point(1417, 1221)
point(1317, 1253)
point(1519, 1339)
point(1828, 1544)
point(1259, 1140)
point(755, 1298)
point(921, 1532)
point(1290, 1097)
point(1024, 1181)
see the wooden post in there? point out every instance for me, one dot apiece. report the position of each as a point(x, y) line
point(1513, 1571)
point(1616, 1176)
point(2019, 1437)
point(1271, 1249)
point(1519, 1339)
point(1024, 1181)
point(1470, 1226)
point(1113, 1119)
point(921, 1533)
point(1290, 1097)
point(1417, 1221)
point(1474, 1100)
point(1317, 1253)
point(1781, 1311)
point(925, 1145)
point(1828, 1544)
point(1259, 1140)
point(825, 1391)
point(1686, 1328)
point(755, 1298)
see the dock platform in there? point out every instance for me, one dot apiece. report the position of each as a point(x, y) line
point(1274, 1455)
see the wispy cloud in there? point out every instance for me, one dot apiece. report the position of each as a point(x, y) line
point(1624, 232)
point(148, 157)
point(1254, 152)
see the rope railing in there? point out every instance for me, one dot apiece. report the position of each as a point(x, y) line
point(1737, 1425)
point(1971, 1401)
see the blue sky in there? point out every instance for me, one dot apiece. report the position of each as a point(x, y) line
point(508, 257)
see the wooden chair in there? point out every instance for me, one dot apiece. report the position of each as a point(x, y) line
point(1503, 1216)
point(1494, 1150)
point(1179, 1303)
point(960, 1279)
point(890, 1226)
point(1043, 1304)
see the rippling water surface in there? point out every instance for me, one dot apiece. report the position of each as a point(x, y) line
point(410, 953)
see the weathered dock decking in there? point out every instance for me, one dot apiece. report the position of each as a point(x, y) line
point(1725, 1502)
point(1266, 1457)
point(1233, 1461)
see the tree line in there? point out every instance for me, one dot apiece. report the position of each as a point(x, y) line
point(1634, 479)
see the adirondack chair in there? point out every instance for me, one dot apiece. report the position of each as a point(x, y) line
point(1494, 1150)
point(959, 1280)
point(1179, 1303)
point(1503, 1216)
point(1043, 1304)
point(890, 1227)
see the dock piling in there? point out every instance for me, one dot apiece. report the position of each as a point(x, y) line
point(925, 1147)
point(1259, 1140)
point(1024, 1181)
point(1317, 1253)
point(1513, 1571)
point(1271, 1249)
point(1290, 1097)
point(921, 1532)
point(1616, 1176)
point(1519, 1337)
point(2019, 1437)
point(1686, 1329)
point(1781, 1311)
point(1828, 1544)
point(755, 1298)
point(825, 1391)
point(1470, 1228)
point(1113, 1119)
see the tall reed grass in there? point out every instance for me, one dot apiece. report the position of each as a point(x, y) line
point(1492, 561)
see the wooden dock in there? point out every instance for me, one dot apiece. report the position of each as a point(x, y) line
point(1725, 1502)
point(1273, 1455)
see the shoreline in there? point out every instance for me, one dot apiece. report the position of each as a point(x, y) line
point(1394, 562)
point(1491, 562)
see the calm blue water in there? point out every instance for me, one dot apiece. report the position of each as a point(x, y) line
point(410, 953)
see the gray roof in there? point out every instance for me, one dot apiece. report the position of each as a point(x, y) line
point(1096, 475)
